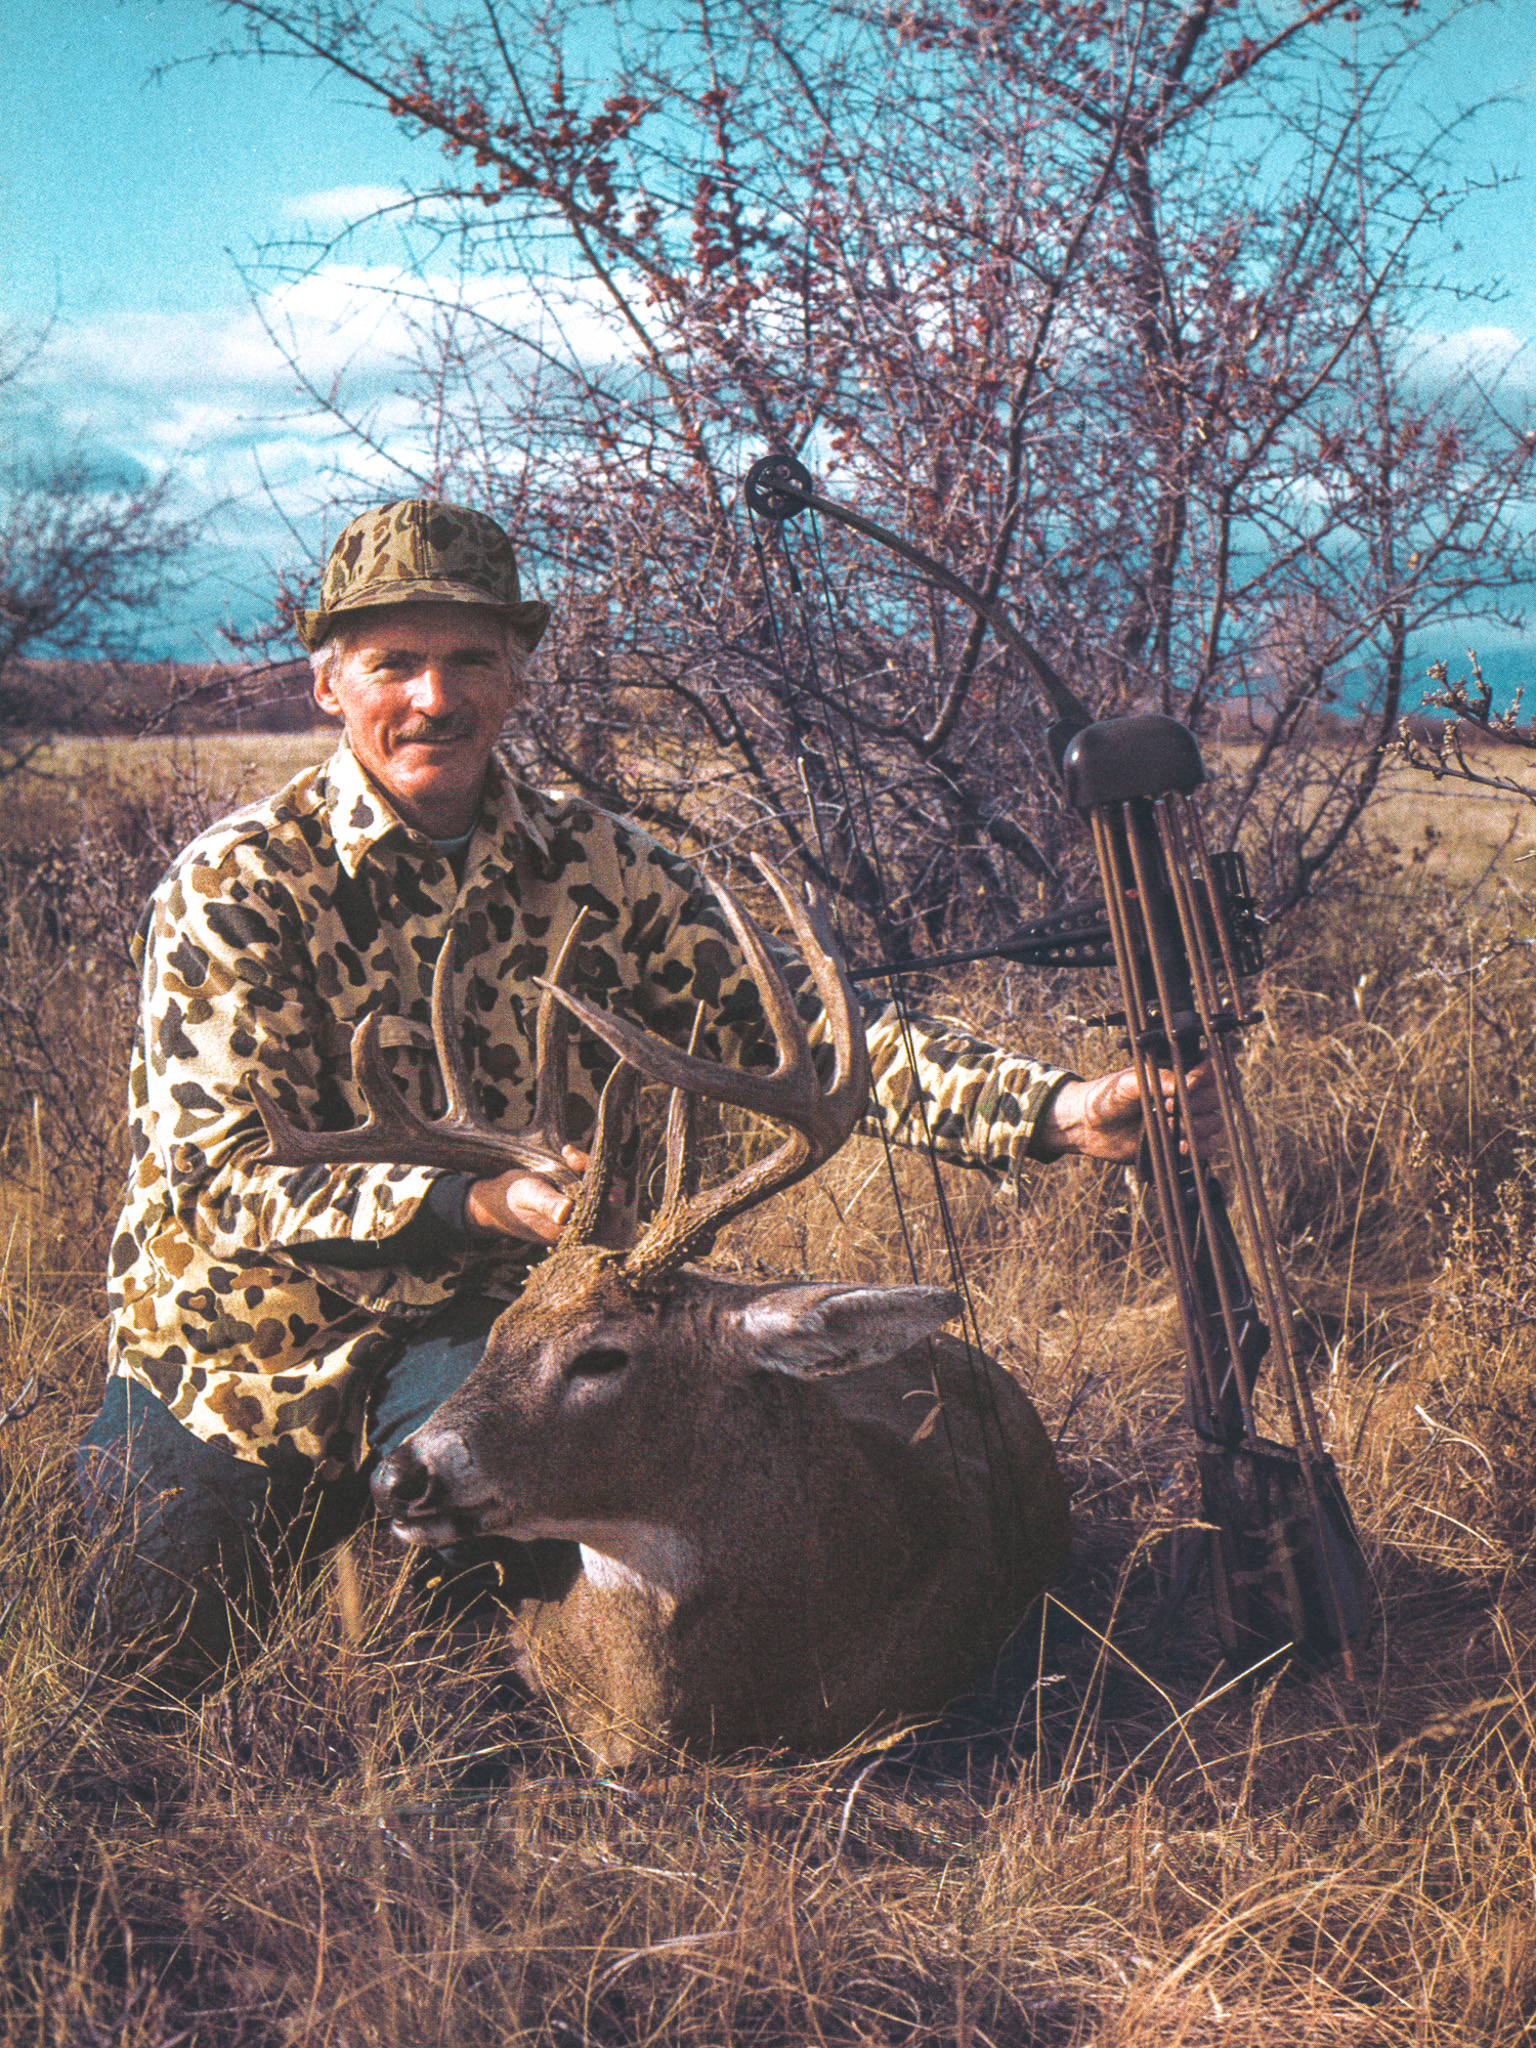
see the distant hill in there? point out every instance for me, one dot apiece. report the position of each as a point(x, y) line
point(136, 697)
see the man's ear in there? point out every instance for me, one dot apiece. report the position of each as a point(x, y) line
point(325, 696)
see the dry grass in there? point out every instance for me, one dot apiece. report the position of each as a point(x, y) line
point(365, 1836)
point(74, 775)
point(1455, 832)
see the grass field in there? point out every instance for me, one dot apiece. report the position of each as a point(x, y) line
point(74, 776)
point(1470, 829)
point(363, 1838)
point(1467, 830)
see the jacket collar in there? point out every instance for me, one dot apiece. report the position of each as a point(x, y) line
point(362, 817)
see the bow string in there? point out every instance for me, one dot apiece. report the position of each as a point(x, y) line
point(778, 489)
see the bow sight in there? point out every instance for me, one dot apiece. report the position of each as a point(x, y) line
point(1179, 925)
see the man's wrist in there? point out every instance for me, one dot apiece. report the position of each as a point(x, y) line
point(1055, 1120)
point(483, 1219)
point(444, 1207)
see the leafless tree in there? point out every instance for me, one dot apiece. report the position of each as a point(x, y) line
point(1106, 305)
point(85, 563)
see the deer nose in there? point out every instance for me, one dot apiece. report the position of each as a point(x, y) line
point(405, 1485)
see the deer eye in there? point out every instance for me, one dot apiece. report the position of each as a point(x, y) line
point(595, 1363)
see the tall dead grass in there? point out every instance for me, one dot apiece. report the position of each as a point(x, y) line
point(368, 1835)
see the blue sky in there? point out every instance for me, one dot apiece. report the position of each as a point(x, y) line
point(128, 202)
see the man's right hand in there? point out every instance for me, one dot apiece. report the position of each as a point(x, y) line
point(522, 1204)
point(1102, 1119)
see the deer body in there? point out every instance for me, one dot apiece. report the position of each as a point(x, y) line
point(769, 1558)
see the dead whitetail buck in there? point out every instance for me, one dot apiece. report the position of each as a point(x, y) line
point(803, 1514)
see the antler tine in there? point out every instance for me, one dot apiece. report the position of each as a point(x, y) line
point(792, 1093)
point(682, 1176)
point(589, 1221)
point(680, 1183)
point(462, 1140)
point(552, 1032)
point(819, 1120)
point(540, 1144)
point(392, 1130)
point(848, 1096)
point(445, 1039)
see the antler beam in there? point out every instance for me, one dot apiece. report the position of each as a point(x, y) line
point(819, 1119)
point(462, 1139)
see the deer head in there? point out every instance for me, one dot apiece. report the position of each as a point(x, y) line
point(585, 1377)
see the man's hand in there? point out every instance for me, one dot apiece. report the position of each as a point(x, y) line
point(522, 1204)
point(1102, 1119)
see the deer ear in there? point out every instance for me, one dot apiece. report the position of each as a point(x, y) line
point(817, 1328)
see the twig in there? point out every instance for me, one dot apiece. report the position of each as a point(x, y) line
point(23, 1404)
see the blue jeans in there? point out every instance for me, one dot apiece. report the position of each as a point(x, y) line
point(189, 1541)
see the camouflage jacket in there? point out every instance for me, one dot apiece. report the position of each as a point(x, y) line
point(258, 1300)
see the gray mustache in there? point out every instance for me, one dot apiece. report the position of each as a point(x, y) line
point(437, 729)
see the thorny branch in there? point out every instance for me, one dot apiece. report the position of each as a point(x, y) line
point(1169, 420)
point(1440, 748)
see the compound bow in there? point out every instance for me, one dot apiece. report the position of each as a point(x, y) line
point(1179, 925)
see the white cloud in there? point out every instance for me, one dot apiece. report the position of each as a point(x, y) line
point(214, 396)
point(342, 205)
point(352, 330)
point(337, 318)
point(1492, 355)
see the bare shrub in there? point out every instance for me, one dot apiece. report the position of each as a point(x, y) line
point(68, 1004)
point(1475, 744)
point(1180, 424)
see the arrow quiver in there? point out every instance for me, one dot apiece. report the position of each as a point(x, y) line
point(1286, 1568)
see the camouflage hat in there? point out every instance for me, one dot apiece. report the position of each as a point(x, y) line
point(418, 552)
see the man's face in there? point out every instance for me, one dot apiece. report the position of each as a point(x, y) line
point(422, 690)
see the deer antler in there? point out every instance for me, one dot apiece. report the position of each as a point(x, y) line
point(819, 1120)
point(462, 1138)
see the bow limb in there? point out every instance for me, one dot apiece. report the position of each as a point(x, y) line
point(779, 488)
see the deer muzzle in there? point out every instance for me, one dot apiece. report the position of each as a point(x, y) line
point(412, 1493)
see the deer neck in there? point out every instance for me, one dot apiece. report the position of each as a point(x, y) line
point(756, 1522)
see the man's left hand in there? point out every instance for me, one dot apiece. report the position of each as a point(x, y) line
point(1102, 1119)
point(520, 1203)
